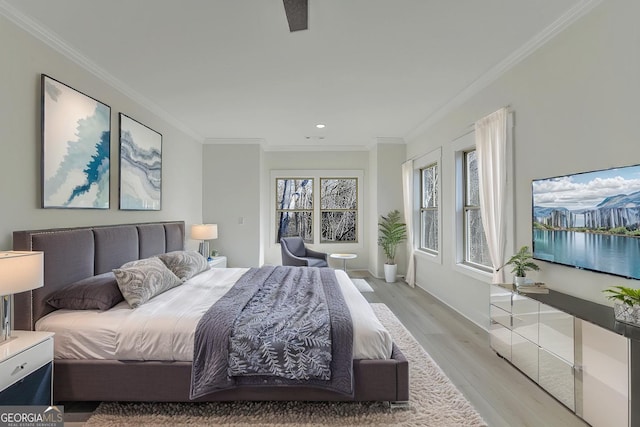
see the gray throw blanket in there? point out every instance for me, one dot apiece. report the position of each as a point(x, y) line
point(276, 326)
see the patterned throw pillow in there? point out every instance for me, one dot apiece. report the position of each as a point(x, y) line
point(141, 280)
point(185, 264)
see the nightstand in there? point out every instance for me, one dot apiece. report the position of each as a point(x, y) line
point(26, 368)
point(218, 262)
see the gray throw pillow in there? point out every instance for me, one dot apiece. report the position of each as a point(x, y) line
point(185, 264)
point(141, 280)
point(99, 292)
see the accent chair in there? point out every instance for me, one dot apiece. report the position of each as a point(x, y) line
point(295, 253)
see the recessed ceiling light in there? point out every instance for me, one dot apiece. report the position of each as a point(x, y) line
point(320, 126)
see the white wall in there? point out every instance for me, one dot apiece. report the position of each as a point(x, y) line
point(231, 198)
point(576, 106)
point(375, 259)
point(24, 58)
point(388, 189)
point(317, 160)
point(237, 184)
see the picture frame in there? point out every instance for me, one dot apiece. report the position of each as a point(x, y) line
point(140, 166)
point(76, 148)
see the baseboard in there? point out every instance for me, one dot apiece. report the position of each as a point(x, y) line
point(400, 276)
point(484, 328)
point(373, 275)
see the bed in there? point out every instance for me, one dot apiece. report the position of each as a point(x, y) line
point(74, 254)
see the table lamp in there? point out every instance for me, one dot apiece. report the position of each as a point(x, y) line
point(19, 271)
point(204, 232)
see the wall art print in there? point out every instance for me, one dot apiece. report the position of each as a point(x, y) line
point(76, 135)
point(140, 166)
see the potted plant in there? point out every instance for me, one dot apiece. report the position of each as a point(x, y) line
point(521, 262)
point(392, 232)
point(626, 307)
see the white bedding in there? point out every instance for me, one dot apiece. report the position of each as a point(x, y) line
point(163, 328)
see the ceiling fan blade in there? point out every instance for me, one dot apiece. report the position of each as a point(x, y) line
point(296, 11)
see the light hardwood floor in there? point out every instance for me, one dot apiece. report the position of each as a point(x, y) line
point(502, 395)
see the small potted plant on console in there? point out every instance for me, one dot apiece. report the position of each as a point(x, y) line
point(521, 262)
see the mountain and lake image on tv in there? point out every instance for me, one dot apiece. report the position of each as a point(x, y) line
point(589, 220)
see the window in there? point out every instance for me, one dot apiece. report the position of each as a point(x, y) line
point(427, 205)
point(321, 206)
point(471, 251)
point(429, 208)
point(338, 210)
point(294, 208)
point(476, 252)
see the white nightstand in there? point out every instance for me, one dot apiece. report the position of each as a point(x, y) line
point(218, 262)
point(26, 368)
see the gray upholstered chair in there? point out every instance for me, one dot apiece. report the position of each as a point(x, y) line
point(296, 254)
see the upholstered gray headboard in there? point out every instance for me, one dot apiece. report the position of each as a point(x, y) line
point(72, 254)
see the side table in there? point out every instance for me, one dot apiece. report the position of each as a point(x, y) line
point(218, 262)
point(344, 258)
point(26, 369)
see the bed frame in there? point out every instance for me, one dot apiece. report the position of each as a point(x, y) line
point(72, 254)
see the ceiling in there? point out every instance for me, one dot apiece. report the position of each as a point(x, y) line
point(230, 70)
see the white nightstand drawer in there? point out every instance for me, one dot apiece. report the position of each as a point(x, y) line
point(25, 362)
point(218, 262)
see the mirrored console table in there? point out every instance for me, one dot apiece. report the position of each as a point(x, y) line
point(574, 349)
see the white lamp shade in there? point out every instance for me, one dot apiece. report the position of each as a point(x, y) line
point(204, 231)
point(21, 271)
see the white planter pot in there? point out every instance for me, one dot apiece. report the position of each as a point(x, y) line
point(518, 280)
point(390, 272)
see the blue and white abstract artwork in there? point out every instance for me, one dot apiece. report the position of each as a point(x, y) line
point(140, 166)
point(76, 135)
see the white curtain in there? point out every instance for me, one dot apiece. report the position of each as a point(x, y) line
point(407, 194)
point(491, 150)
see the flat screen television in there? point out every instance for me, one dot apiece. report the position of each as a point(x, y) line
point(589, 220)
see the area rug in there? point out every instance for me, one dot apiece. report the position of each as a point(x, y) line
point(362, 285)
point(434, 402)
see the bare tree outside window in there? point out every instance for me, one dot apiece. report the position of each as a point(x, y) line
point(338, 210)
point(476, 248)
point(294, 208)
point(429, 209)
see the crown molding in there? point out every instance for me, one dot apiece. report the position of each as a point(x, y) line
point(539, 40)
point(234, 141)
point(52, 40)
point(282, 148)
point(324, 148)
point(389, 140)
